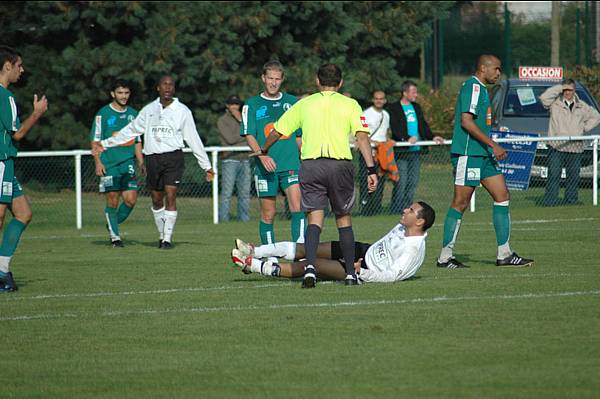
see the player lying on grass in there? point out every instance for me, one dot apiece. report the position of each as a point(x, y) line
point(396, 256)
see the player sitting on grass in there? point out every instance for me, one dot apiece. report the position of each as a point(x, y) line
point(397, 256)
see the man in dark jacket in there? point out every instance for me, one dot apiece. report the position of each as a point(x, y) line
point(408, 125)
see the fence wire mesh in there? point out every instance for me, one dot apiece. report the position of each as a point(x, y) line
point(557, 179)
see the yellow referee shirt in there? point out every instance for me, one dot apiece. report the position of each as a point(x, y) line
point(327, 119)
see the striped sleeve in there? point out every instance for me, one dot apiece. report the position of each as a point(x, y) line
point(8, 114)
point(469, 98)
point(96, 131)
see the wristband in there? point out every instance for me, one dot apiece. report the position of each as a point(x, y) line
point(372, 170)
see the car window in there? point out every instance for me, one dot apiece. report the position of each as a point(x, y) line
point(523, 101)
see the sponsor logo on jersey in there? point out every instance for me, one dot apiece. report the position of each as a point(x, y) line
point(162, 132)
point(380, 252)
point(286, 106)
point(277, 104)
point(110, 122)
point(261, 113)
point(130, 118)
point(363, 122)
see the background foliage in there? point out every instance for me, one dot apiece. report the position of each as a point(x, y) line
point(73, 50)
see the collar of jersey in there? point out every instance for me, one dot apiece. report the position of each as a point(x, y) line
point(328, 92)
point(116, 110)
point(175, 100)
point(272, 99)
point(475, 77)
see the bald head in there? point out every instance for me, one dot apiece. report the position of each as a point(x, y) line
point(488, 68)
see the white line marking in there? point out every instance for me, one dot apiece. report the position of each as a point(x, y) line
point(285, 283)
point(226, 309)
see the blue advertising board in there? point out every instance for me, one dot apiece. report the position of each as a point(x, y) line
point(517, 165)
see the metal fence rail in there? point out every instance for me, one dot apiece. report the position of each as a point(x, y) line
point(68, 178)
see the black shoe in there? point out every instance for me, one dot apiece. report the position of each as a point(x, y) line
point(452, 263)
point(350, 280)
point(160, 243)
point(310, 278)
point(166, 245)
point(117, 244)
point(7, 283)
point(514, 260)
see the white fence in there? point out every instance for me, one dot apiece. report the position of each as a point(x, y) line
point(80, 155)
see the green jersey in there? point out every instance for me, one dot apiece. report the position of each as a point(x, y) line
point(107, 122)
point(9, 124)
point(473, 98)
point(259, 115)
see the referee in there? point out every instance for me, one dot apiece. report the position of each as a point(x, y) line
point(327, 118)
point(165, 123)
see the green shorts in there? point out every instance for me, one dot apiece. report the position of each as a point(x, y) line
point(471, 170)
point(120, 177)
point(268, 184)
point(11, 188)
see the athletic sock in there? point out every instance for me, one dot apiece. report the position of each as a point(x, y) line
point(10, 240)
point(283, 249)
point(501, 218)
point(313, 235)
point(298, 226)
point(159, 220)
point(451, 228)
point(113, 224)
point(170, 219)
point(123, 213)
point(265, 267)
point(266, 232)
point(347, 247)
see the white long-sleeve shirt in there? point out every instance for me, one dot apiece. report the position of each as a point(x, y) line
point(379, 123)
point(394, 257)
point(164, 129)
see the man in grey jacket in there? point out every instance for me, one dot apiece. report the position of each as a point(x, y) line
point(569, 116)
point(235, 167)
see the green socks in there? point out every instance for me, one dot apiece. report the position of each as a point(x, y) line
point(298, 226)
point(451, 228)
point(11, 237)
point(266, 232)
point(123, 213)
point(112, 220)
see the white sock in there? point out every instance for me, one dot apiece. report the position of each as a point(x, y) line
point(504, 251)
point(266, 268)
point(282, 249)
point(159, 220)
point(445, 255)
point(4, 264)
point(170, 219)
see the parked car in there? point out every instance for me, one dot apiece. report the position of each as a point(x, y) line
point(516, 107)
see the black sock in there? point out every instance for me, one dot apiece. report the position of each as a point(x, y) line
point(311, 243)
point(347, 246)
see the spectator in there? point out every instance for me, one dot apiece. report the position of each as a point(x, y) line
point(408, 125)
point(378, 120)
point(569, 116)
point(235, 167)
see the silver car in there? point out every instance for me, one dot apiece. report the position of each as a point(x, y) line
point(510, 116)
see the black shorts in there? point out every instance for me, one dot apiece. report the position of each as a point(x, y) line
point(164, 170)
point(326, 181)
point(360, 251)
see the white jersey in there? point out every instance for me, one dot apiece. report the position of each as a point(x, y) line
point(379, 123)
point(164, 130)
point(395, 257)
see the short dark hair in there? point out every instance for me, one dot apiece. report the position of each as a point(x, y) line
point(407, 84)
point(426, 213)
point(568, 81)
point(329, 75)
point(8, 54)
point(273, 65)
point(162, 77)
point(120, 83)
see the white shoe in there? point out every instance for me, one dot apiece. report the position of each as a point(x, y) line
point(241, 260)
point(245, 248)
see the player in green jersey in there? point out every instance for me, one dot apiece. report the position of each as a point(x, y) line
point(115, 167)
point(11, 192)
point(279, 169)
point(475, 159)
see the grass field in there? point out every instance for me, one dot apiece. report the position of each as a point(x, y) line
point(139, 322)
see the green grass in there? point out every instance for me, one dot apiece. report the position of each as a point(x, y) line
point(139, 322)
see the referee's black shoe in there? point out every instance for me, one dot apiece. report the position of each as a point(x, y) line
point(452, 263)
point(310, 277)
point(350, 280)
point(514, 260)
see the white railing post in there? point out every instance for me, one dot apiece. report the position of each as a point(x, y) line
point(215, 186)
point(595, 173)
point(78, 200)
